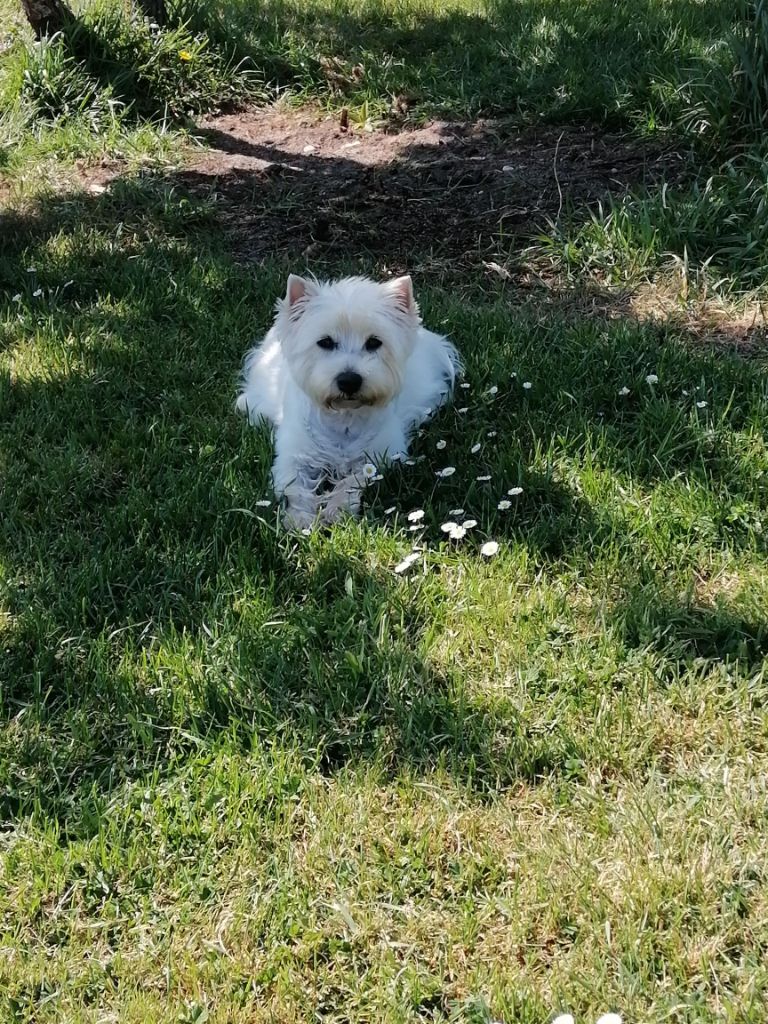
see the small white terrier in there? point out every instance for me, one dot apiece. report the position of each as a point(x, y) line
point(345, 375)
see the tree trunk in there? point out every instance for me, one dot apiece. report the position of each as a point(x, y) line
point(155, 10)
point(46, 16)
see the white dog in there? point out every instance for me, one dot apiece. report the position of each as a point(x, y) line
point(345, 375)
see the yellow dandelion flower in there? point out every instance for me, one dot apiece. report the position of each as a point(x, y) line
point(185, 55)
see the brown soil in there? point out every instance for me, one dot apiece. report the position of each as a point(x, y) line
point(296, 182)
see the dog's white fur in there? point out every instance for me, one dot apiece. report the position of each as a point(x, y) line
point(324, 437)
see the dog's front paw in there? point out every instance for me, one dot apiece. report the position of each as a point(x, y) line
point(344, 498)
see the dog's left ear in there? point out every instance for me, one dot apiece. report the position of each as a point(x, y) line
point(401, 290)
point(298, 288)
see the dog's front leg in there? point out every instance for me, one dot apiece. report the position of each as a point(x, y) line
point(296, 485)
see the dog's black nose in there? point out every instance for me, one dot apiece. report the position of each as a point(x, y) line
point(348, 382)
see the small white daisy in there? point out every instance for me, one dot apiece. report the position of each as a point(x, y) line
point(493, 391)
point(489, 549)
point(456, 512)
point(527, 385)
point(263, 503)
point(446, 471)
point(469, 524)
point(458, 532)
point(701, 405)
point(306, 532)
point(609, 1018)
point(491, 433)
point(513, 376)
point(416, 516)
point(504, 504)
point(685, 392)
point(447, 527)
point(410, 462)
point(440, 445)
point(397, 457)
point(564, 1018)
point(483, 479)
point(466, 386)
point(651, 379)
point(514, 491)
point(624, 391)
point(406, 563)
point(415, 526)
point(17, 297)
point(462, 410)
point(475, 448)
point(31, 270)
point(389, 511)
point(37, 293)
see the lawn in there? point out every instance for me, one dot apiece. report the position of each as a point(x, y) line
point(247, 776)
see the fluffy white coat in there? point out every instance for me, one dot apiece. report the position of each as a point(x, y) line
point(345, 375)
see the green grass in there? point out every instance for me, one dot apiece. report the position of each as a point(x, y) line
point(264, 778)
point(252, 777)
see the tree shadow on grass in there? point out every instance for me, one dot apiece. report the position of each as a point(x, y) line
point(146, 613)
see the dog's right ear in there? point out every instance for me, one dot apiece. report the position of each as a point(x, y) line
point(299, 288)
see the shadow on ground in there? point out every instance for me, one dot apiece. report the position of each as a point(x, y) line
point(146, 608)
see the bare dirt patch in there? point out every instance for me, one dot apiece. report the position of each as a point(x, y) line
point(287, 181)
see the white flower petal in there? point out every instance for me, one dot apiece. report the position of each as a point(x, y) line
point(416, 515)
point(447, 527)
point(475, 448)
point(389, 511)
point(469, 524)
point(504, 504)
point(456, 512)
point(489, 549)
point(37, 293)
point(446, 471)
point(514, 491)
point(406, 563)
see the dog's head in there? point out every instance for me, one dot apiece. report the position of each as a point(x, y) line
point(347, 342)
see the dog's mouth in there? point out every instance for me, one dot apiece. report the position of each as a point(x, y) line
point(344, 403)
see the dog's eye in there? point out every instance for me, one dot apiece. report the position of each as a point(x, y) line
point(327, 343)
point(372, 344)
